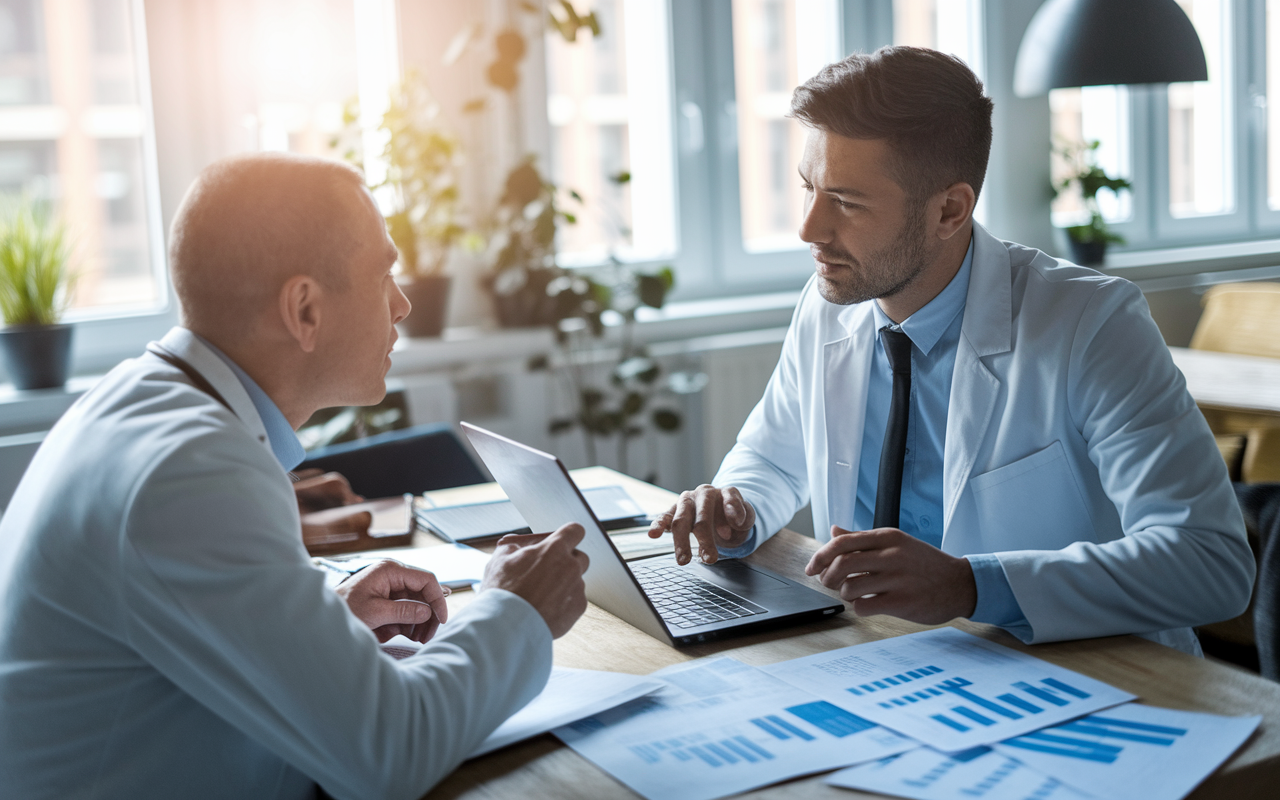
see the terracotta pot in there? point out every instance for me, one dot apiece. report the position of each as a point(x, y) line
point(429, 295)
point(37, 356)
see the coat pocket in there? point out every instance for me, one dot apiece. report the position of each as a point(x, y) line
point(1032, 504)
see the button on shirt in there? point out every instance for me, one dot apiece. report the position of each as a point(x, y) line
point(935, 334)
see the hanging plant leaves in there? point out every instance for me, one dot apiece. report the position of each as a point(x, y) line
point(524, 185)
point(475, 105)
point(559, 426)
point(633, 404)
point(460, 42)
point(621, 177)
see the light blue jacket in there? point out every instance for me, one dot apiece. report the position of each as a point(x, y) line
point(163, 633)
point(1073, 451)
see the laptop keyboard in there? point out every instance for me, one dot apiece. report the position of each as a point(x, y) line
point(686, 601)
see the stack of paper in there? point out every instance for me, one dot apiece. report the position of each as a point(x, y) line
point(938, 714)
point(721, 727)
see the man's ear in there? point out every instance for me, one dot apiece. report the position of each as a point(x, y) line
point(300, 302)
point(955, 208)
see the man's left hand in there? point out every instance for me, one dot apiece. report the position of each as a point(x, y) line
point(394, 599)
point(887, 571)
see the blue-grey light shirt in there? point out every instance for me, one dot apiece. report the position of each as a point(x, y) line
point(284, 442)
point(935, 334)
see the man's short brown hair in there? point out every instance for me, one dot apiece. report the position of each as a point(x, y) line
point(927, 105)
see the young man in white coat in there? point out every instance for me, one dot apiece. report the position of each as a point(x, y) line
point(162, 631)
point(982, 430)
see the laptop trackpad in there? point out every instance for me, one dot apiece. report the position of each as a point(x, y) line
point(741, 578)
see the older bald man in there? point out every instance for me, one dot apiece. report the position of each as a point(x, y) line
point(162, 632)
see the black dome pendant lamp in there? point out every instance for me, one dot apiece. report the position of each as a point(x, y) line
point(1106, 42)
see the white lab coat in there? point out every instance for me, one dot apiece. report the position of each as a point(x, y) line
point(1073, 451)
point(163, 633)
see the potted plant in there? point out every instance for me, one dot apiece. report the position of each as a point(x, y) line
point(421, 188)
point(1088, 241)
point(35, 278)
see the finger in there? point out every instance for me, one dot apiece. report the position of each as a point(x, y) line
point(681, 524)
point(843, 541)
point(737, 511)
point(887, 603)
point(848, 564)
point(515, 541)
point(858, 586)
point(304, 474)
point(707, 505)
point(568, 536)
point(662, 524)
point(584, 561)
point(380, 612)
point(422, 586)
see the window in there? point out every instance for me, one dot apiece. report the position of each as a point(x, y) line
point(691, 99)
point(1204, 157)
point(609, 108)
point(75, 131)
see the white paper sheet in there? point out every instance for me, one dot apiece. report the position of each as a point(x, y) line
point(950, 690)
point(1133, 750)
point(570, 695)
point(455, 565)
point(926, 774)
point(720, 727)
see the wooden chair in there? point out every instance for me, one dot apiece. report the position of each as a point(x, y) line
point(1241, 318)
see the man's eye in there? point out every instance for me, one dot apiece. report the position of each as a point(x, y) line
point(808, 187)
point(843, 204)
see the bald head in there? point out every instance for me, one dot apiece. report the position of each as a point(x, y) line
point(251, 222)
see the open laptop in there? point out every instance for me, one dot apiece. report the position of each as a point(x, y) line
point(679, 605)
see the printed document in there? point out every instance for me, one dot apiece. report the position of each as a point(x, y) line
point(976, 774)
point(720, 727)
point(570, 694)
point(1133, 750)
point(948, 689)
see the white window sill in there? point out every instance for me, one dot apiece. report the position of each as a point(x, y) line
point(1202, 265)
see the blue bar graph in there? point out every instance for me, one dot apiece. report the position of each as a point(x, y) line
point(705, 756)
point(1064, 687)
point(721, 753)
point(1018, 702)
point(951, 723)
point(753, 747)
point(956, 687)
point(789, 728)
point(1048, 697)
point(769, 729)
point(969, 713)
point(1058, 741)
point(832, 719)
point(890, 681)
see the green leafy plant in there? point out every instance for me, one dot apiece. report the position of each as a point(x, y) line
point(1089, 179)
point(423, 160)
point(35, 271)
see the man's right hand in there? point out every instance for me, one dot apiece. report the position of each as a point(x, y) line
point(546, 570)
point(716, 517)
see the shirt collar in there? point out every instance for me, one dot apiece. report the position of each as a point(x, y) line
point(284, 442)
point(926, 326)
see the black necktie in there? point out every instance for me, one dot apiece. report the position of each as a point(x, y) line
point(889, 488)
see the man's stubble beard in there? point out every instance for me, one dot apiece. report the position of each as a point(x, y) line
point(885, 272)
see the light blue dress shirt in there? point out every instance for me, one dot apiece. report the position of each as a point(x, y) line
point(284, 442)
point(935, 333)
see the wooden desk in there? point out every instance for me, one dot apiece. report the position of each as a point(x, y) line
point(1230, 382)
point(543, 768)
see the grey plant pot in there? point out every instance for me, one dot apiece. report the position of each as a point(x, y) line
point(37, 356)
point(429, 295)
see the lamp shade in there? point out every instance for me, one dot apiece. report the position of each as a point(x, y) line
point(1105, 42)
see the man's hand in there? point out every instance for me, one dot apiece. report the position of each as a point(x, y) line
point(546, 571)
point(316, 490)
point(716, 517)
point(909, 579)
point(394, 599)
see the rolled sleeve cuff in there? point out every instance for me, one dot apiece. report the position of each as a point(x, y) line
point(996, 603)
point(743, 550)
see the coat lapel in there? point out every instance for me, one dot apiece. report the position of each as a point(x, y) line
point(985, 331)
point(847, 365)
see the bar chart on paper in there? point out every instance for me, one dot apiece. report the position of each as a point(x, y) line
point(976, 774)
point(722, 728)
point(1133, 750)
point(949, 689)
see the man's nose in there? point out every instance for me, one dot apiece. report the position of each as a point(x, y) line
point(813, 228)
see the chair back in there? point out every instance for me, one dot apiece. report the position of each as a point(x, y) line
point(1260, 503)
point(414, 460)
point(1241, 318)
